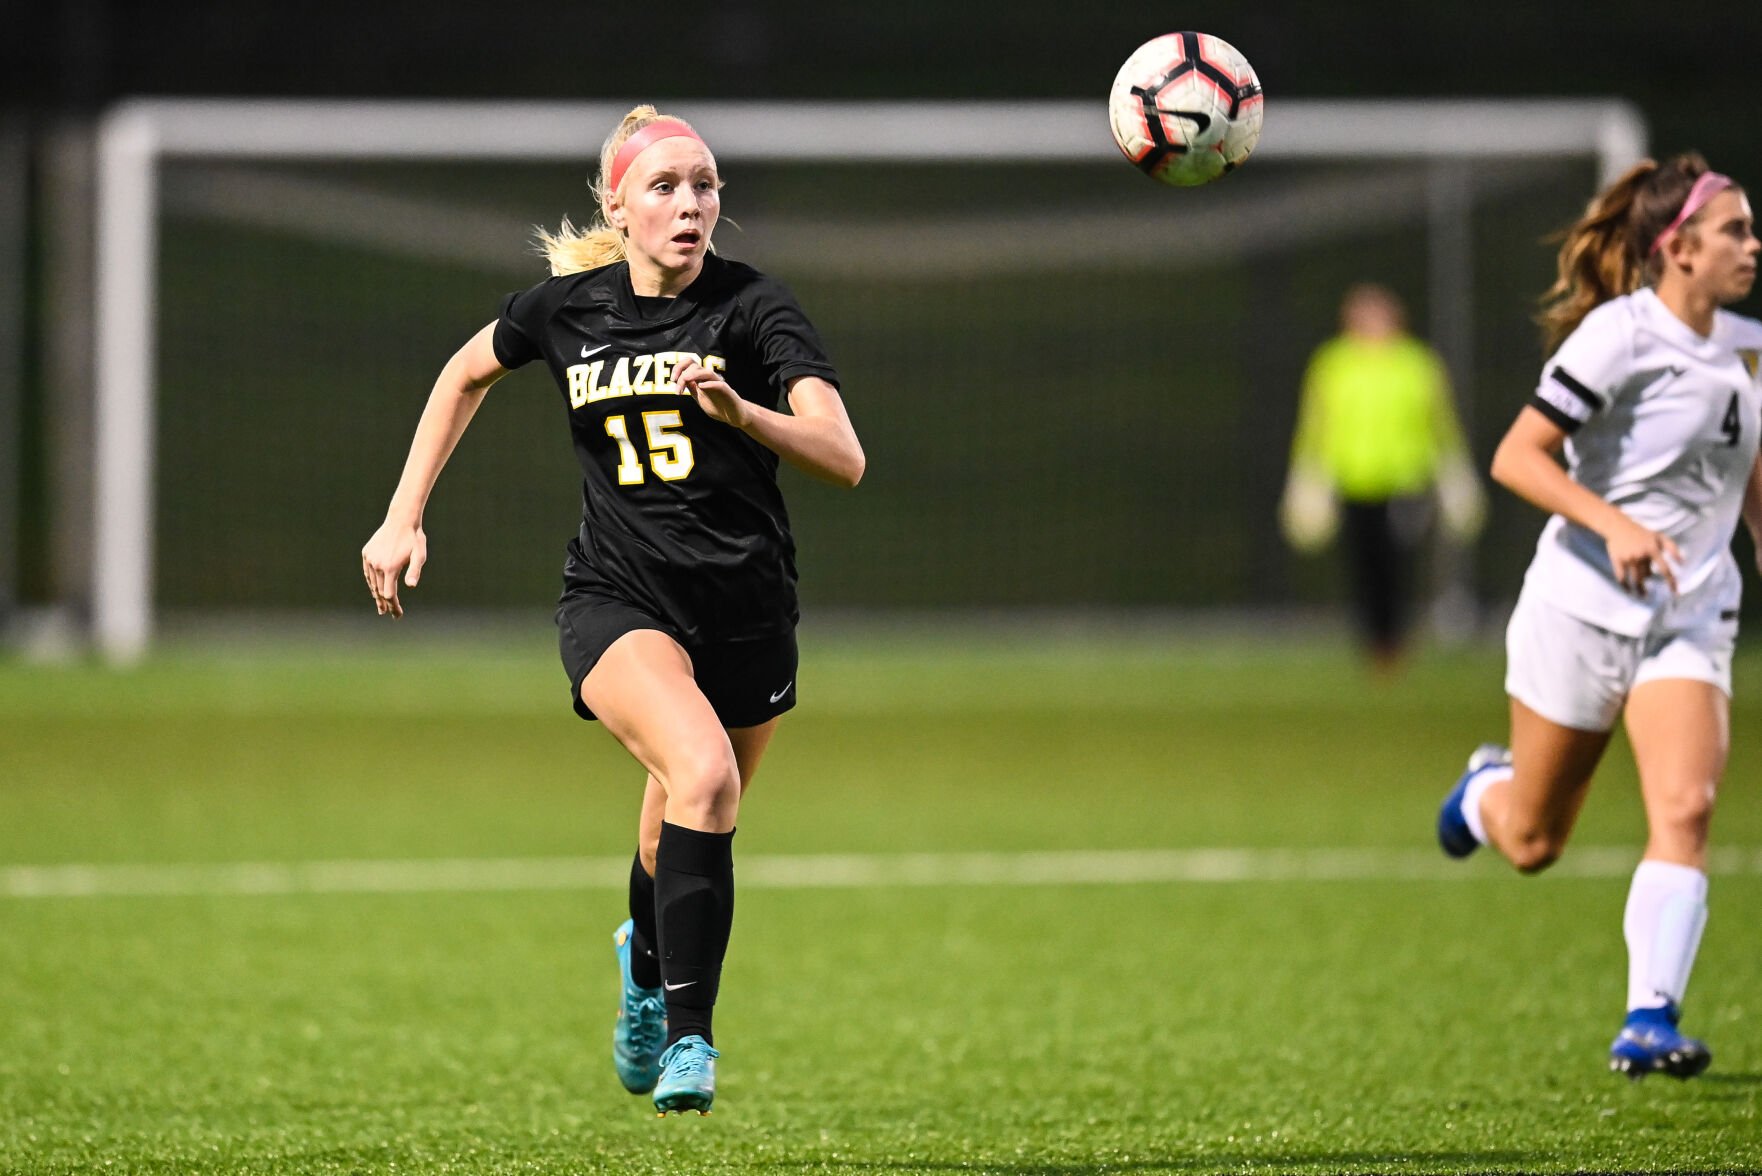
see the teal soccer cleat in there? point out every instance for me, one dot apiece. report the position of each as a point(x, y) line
point(641, 1028)
point(688, 1077)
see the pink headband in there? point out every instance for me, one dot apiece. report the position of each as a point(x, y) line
point(1707, 186)
point(648, 136)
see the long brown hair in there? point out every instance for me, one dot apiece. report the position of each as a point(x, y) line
point(571, 250)
point(1608, 252)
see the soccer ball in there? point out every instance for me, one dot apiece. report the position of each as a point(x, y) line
point(1186, 108)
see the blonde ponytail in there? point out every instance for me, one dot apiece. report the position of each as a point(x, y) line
point(570, 249)
point(1607, 253)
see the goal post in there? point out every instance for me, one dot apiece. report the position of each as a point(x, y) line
point(138, 138)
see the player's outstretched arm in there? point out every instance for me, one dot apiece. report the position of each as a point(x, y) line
point(815, 436)
point(399, 546)
point(1525, 464)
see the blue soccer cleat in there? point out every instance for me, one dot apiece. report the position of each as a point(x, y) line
point(641, 1028)
point(1649, 1043)
point(688, 1077)
point(1454, 834)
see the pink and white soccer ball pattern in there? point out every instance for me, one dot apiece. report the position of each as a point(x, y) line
point(1186, 108)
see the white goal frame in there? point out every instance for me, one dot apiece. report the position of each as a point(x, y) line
point(137, 136)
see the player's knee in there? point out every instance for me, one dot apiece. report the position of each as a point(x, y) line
point(1685, 814)
point(1536, 851)
point(703, 786)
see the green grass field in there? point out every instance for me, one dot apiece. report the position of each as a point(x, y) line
point(380, 1014)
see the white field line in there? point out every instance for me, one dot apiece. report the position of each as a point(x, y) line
point(811, 871)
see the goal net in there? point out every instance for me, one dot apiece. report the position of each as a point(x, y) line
point(1076, 387)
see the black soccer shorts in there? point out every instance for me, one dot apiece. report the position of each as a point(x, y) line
point(747, 682)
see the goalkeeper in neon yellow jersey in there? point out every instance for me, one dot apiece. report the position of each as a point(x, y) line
point(1377, 441)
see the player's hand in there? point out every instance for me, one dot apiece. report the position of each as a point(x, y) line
point(395, 548)
point(1637, 554)
point(714, 394)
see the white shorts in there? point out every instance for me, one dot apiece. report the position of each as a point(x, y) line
point(1575, 674)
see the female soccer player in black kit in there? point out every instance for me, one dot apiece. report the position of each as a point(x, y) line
point(677, 619)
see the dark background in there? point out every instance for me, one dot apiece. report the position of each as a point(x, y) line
point(1691, 70)
point(1691, 67)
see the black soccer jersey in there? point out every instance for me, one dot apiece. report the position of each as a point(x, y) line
point(681, 514)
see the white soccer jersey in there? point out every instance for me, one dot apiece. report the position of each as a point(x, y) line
point(1663, 424)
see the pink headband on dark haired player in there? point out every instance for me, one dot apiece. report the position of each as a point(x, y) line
point(1707, 186)
point(648, 136)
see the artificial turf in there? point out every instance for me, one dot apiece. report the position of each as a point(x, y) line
point(1452, 1023)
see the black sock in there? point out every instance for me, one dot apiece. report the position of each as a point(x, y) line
point(645, 961)
point(694, 909)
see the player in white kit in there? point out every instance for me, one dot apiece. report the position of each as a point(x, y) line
point(1630, 606)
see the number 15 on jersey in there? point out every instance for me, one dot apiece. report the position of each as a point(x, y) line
point(669, 451)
